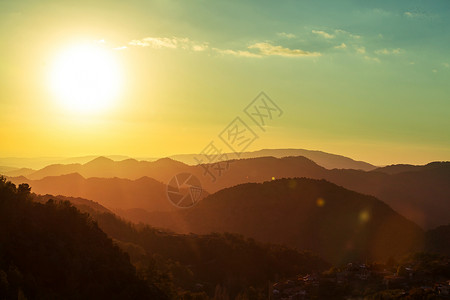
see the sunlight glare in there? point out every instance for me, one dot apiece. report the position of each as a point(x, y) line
point(86, 78)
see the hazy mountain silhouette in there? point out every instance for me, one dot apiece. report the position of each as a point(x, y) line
point(162, 169)
point(338, 224)
point(117, 193)
point(74, 165)
point(421, 195)
point(18, 172)
point(326, 160)
point(401, 168)
point(4, 169)
point(41, 162)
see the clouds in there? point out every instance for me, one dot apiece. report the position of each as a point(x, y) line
point(416, 14)
point(255, 50)
point(171, 43)
point(268, 49)
point(409, 14)
point(323, 34)
point(373, 59)
point(346, 33)
point(241, 53)
point(361, 50)
point(341, 46)
point(286, 35)
point(156, 42)
point(313, 43)
point(388, 52)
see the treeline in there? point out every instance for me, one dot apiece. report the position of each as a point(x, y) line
point(53, 251)
point(213, 264)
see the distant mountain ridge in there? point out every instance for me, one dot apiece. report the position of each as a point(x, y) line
point(163, 168)
point(422, 195)
point(324, 159)
point(41, 162)
point(402, 168)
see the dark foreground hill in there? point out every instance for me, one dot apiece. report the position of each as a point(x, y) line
point(52, 251)
point(48, 249)
point(200, 264)
point(338, 224)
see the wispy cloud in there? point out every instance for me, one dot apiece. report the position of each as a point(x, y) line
point(419, 14)
point(286, 35)
point(241, 53)
point(414, 14)
point(343, 32)
point(255, 50)
point(361, 50)
point(155, 42)
point(323, 34)
point(388, 51)
point(341, 46)
point(268, 49)
point(172, 43)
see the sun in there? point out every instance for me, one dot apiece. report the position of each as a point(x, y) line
point(86, 78)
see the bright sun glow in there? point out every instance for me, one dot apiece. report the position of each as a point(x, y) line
point(86, 78)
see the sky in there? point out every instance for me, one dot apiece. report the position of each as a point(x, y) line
point(364, 79)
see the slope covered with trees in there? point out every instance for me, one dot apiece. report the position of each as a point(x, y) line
point(199, 264)
point(52, 251)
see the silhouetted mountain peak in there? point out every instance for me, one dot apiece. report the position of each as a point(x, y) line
point(402, 168)
point(71, 177)
point(101, 160)
point(129, 160)
point(165, 161)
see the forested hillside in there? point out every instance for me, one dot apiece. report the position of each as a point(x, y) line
point(52, 251)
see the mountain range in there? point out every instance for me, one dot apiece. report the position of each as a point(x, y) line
point(25, 166)
point(324, 159)
point(408, 189)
